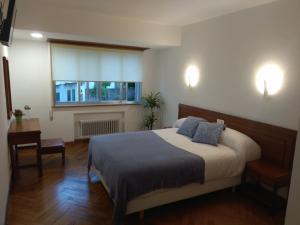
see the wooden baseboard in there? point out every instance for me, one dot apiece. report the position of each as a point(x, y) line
point(6, 213)
point(77, 141)
point(84, 140)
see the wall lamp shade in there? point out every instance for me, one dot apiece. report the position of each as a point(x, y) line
point(191, 76)
point(269, 79)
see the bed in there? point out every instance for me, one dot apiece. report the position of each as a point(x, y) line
point(221, 166)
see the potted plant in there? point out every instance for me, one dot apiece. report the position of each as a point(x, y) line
point(152, 103)
point(18, 114)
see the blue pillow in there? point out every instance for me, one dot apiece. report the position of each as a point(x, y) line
point(189, 126)
point(208, 133)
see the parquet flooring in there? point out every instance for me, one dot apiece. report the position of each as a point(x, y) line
point(68, 196)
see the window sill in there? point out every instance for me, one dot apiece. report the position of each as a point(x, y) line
point(60, 106)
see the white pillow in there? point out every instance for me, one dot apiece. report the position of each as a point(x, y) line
point(241, 142)
point(178, 123)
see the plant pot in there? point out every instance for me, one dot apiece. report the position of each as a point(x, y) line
point(18, 119)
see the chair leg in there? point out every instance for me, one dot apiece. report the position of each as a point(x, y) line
point(233, 189)
point(39, 158)
point(63, 157)
point(142, 215)
point(16, 155)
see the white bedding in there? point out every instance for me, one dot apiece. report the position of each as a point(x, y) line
point(220, 161)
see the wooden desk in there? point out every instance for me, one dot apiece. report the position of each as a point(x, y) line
point(28, 132)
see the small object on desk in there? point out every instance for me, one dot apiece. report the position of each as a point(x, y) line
point(18, 115)
point(52, 146)
point(27, 109)
point(269, 174)
point(27, 132)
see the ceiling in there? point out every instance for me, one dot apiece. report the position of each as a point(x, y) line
point(168, 12)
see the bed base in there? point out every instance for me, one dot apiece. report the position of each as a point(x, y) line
point(166, 196)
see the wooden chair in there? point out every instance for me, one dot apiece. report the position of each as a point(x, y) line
point(53, 146)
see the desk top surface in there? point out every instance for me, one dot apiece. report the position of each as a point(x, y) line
point(27, 125)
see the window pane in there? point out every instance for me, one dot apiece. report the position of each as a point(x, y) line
point(66, 91)
point(110, 91)
point(131, 92)
point(73, 95)
point(124, 91)
point(68, 95)
point(89, 91)
point(57, 97)
point(134, 92)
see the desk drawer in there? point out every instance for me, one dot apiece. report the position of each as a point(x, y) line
point(24, 138)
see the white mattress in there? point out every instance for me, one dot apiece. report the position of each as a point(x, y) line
point(220, 162)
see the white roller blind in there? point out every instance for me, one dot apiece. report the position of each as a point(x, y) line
point(132, 66)
point(111, 64)
point(95, 64)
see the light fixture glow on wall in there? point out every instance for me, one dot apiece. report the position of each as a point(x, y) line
point(269, 79)
point(36, 35)
point(191, 76)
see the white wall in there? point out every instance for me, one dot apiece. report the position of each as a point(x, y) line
point(31, 85)
point(228, 51)
point(292, 214)
point(4, 155)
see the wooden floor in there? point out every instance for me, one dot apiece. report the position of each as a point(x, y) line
point(67, 196)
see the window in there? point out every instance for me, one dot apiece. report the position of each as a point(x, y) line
point(69, 95)
point(89, 91)
point(134, 91)
point(57, 97)
point(73, 95)
point(111, 91)
point(101, 92)
point(89, 75)
point(66, 92)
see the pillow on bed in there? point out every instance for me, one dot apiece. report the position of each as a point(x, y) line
point(208, 133)
point(241, 142)
point(178, 123)
point(189, 126)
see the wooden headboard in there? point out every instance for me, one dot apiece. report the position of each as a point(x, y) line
point(277, 143)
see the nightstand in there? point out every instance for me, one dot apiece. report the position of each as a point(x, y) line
point(268, 174)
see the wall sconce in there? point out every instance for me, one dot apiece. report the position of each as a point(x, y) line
point(191, 76)
point(269, 79)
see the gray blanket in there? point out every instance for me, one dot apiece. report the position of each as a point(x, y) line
point(136, 163)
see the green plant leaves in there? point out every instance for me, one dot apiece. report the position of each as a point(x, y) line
point(152, 102)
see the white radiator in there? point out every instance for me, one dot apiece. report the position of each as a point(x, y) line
point(88, 128)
